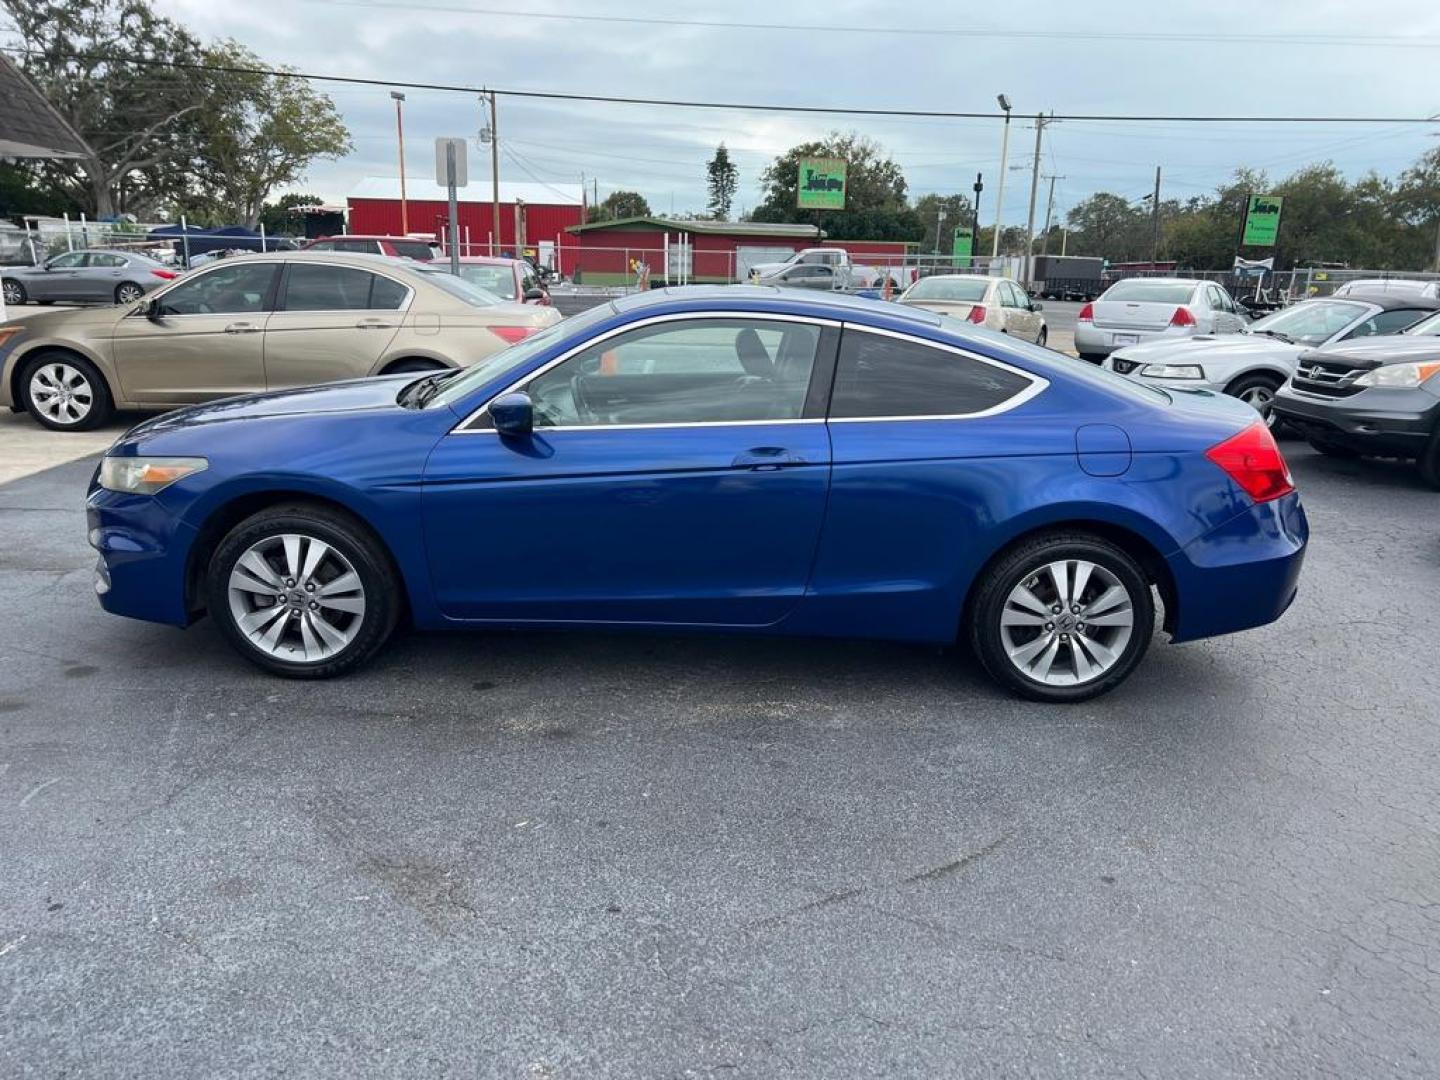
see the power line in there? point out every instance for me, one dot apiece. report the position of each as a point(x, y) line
point(1347, 41)
point(226, 69)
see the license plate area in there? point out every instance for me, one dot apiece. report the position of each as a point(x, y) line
point(1127, 339)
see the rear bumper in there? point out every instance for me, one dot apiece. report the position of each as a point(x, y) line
point(1242, 574)
point(1381, 420)
point(1095, 340)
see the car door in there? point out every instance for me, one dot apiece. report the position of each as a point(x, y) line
point(204, 338)
point(330, 322)
point(55, 278)
point(677, 474)
point(1014, 312)
point(97, 280)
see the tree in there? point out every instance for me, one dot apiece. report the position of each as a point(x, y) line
point(256, 133)
point(129, 114)
point(1110, 226)
point(620, 204)
point(942, 215)
point(22, 193)
point(875, 204)
point(276, 216)
point(722, 178)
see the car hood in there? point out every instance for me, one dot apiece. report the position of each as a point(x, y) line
point(65, 321)
point(354, 395)
point(1382, 349)
point(1247, 347)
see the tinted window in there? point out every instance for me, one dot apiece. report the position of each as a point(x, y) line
point(358, 247)
point(1386, 322)
point(698, 371)
point(885, 376)
point(227, 290)
point(1141, 291)
point(413, 249)
point(385, 294)
point(326, 288)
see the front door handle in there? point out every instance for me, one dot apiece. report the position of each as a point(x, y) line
point(372, 324)
point(766, 458)
point(242, 328)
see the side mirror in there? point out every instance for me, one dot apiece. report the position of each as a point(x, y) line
point(151, 309)
point(534, 294)
point(1036, 307)
point(513, 414)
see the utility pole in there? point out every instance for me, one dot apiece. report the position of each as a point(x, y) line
point(1000, 187)
point(1040, 122)
point(400, 141)
point(1049, 212)
point(1155, 223)
point(494, 178)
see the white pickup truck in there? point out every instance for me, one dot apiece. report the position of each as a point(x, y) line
point(827, 268)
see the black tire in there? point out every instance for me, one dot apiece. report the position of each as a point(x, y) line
point(1257, 386)
point(415, 364)
point(1026, 560)
point(1428, 463)
point(1093, 358)
point(127, 292)
point(1044, 336)
point(102, 405)
point(348, 536)
point(1333, 450)
point(14, 292)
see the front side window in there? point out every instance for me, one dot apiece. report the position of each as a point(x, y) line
point(1386, 322)
point(692, 372)
point(1009, 296)
point(228, 290)
point(69, 261)
point(883, 376)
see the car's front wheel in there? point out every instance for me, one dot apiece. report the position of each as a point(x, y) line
point(303, 591)
point(13, 292)
point(1062, 617)
point(1258, 391)
point(1043, 337)
point(1429, 461)
point(65, 392)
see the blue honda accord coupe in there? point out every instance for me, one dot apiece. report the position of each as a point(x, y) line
point(738, 459)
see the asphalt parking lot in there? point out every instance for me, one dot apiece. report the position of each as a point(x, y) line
point(549, 856)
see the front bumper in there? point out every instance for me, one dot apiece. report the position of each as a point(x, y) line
point(144, 553)
point(1381, 420)
point(1242, 574)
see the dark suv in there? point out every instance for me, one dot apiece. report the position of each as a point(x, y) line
point(1376, 396)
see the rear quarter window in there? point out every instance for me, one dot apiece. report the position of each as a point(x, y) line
point(882, 376)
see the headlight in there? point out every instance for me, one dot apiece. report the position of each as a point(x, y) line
point(147, 475)
point(1173, 371)
point(1399, 374)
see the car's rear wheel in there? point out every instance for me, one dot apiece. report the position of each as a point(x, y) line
point(64, 392)
point(1257, 391)
point(1428, 463)
point(127, 292)
point(13, 292)
point(1062, 617)
point(303, 591)
point(1334, 450)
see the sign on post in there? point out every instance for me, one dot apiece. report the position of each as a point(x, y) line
point(1262, 220)
point(962, 245)
point(821, 184)
point(442, 158)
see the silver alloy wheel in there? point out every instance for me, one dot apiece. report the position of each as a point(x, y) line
point(62, 392)
point(127, 292)
point(296, 598)
point(1068, 623)
point(13, 293)
point(1260, 398)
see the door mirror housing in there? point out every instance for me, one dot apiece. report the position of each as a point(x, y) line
point(513, 414)
point(1036, 307)
point(534, 294)
point(153, 310)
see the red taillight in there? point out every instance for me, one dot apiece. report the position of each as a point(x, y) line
point(512, 334)
point(1182, 317)
point(1253, 461)
point(977, 315)
point(1087, 314)
point(166, 274)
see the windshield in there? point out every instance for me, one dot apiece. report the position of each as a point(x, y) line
point(517, 356)
point(1429, 327)
point(1138, 290)
point(414, 249)
point(1311, 322)
point(962, 290)
point(458, 287)
point(497, 279)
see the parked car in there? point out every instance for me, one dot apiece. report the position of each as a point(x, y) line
point(844, 272)
point(251, 323)
point(397, 247)
point(509, 279)
point(96, 277)
point(1252, 364)
point(1430, 290)
point(1136, 310)
point(719, 458)
point(804, 276)
point(1378, 396)
point(993, 302)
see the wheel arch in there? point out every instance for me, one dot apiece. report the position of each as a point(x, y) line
point(387, 363)
point(21, 358)
point(1277, 374)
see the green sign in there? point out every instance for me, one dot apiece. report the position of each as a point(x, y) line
point(1262, 220)
point(822, 184)
point(963, 244)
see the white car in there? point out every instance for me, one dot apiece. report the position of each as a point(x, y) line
point(1137, 310)
point(1430, 290)
point(996, 303)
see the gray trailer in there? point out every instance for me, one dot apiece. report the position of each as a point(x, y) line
point(1068, 277)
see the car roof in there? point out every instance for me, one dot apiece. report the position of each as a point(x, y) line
point(374, 236)
point(1160, 280)
point(964, 277)
point(1389, 301)
point(488, 260)
point(365, 259)
point(832, 306)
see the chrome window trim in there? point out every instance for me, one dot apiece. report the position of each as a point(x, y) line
point(1038, 383)
point(464, 428)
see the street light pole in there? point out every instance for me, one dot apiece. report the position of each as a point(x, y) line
point(1000, 186)
point(400, 139)
point(975, 219)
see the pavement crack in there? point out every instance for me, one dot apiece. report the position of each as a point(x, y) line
point(946, 869)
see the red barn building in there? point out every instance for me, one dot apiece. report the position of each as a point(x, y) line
point(545, 211)
point(605, 252)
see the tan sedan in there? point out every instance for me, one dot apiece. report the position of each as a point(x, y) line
point(995, 303)
point(253, 323)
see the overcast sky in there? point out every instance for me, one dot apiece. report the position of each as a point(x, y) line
point(1295, 58)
